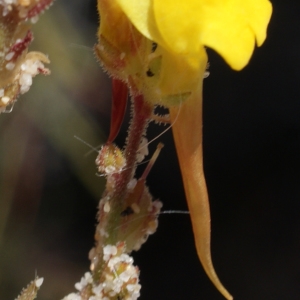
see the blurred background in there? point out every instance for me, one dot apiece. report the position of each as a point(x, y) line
point(49, 190)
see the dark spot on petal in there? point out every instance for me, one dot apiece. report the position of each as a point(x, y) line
point(154, 46)
point(149, 73)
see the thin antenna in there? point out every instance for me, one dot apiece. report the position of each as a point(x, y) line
point(84, 142)
point(165, 212)
point(8, 111)
point(152, 161)
point(78, 46)
point(184, 212)
point(94, 148)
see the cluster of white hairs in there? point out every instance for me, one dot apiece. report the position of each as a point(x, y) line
point(120, 279)
point(32, 65)
point(30, 68)
point(22, 7)
point(110, 160)
point(143, 150)
point(30, 292)
point(206, 73)
point(9, 4)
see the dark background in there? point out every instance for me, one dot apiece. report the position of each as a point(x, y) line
point(49, 191)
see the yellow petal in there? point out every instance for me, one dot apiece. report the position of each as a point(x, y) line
point(187, 131)
point(140, 13)
point(228, 26)
point(180, 74)
point(116, 28)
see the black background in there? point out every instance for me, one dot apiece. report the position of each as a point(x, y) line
point(49, 191)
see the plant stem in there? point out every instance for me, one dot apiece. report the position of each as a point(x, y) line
point(109, 221)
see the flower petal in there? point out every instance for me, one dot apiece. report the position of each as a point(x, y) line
point(177, 74)
point(228, 26)
point(140, 13)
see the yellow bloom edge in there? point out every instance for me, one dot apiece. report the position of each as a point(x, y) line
point(229, 27)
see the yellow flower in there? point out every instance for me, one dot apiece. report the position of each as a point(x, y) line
point(228, 26)
point(182, 29)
